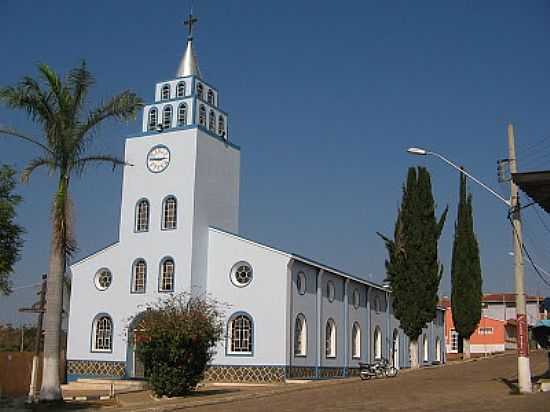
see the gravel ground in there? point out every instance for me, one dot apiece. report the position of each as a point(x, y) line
point(481, 385)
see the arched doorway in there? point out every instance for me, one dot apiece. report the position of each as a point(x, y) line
point(395, 349)
point(135, 368)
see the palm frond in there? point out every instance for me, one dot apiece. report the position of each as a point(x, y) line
point(124, 106)
point(79, 81)
point(81, 164)
point(15, 133)
point(28, 96)
point(35, 164)
point(55, 84)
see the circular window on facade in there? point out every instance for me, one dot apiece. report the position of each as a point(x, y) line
point(301, 283)
point(103, 279)
point(330, 290)
point(356, 297)
point(241, 274)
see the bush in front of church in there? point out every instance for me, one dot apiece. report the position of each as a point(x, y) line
point(177, 337)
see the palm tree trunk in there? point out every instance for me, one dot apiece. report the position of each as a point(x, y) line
point(51, 388)
point(413, 348)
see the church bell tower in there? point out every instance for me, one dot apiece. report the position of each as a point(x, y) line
point(183, 155)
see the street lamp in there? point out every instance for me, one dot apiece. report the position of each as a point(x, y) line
point(524, 369)
point(423, 152)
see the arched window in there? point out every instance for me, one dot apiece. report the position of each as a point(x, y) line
point(377, 304)
point(139, 276)
point(221, 125)
point(330, 339)
point(301, 283)
point(425, 347)
point(102, 331)
point(300, 336)
point(182, 114)
point(356, 341)
point(180, 89)
point(210, 97)
point(395, 349)
point(212, 121)
point(240, 334)
point(169, 213)
point(142, 216)
point(200, 91)
point(165, 93)
point(202, 115)
point(167, 117)
point(356, 298)
point(377, 343)
point(166, 282)
point(153, 118)
point(330, 290)
point(438, 349)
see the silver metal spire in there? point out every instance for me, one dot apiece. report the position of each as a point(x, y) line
point(189, 65)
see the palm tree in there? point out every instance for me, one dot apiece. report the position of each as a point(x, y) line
point(59, 106)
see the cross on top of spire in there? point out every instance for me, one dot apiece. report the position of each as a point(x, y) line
point(190, 22)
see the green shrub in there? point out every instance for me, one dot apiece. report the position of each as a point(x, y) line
point(177, 340)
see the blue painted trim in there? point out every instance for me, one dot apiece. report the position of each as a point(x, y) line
point(192, 126)
point(164, 259)
point(96, 317)
point(158, 103)
point(227, 337)
point(132, 292)
point(162, 213)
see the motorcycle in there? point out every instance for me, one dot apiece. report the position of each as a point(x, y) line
point(379, 369)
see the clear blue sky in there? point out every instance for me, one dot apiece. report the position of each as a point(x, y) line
point(324, 97)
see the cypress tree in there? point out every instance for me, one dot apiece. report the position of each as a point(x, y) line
point(465, 272)
point(412, 267)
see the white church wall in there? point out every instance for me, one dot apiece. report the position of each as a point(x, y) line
point(333, 310)
point(305, 304)
point(359, 315)
point(378, 319)
point(178, 180)
point(217, 179)
point(264, 299)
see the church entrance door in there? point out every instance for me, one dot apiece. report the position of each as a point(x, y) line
point(138, 367)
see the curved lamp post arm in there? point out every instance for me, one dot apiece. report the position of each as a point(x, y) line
point(423, 152)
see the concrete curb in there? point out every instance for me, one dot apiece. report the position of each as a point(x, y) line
point(86, 398)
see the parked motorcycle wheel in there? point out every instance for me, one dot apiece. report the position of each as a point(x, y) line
point(392, 372)
point(365, 376)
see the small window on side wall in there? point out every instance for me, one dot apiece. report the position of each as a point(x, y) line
point(331, 292)
point(301, 283)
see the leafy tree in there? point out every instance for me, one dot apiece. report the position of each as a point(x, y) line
point(59, 106)
point(12, 337)
point(177, 338)
point(10, 233)
point(465, 272)
point(412, 267)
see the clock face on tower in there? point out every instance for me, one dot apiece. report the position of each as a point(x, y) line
point(158, 159)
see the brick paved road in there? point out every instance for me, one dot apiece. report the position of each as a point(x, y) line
point(477, 386)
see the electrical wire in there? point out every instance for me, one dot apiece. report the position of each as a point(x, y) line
point(522, 245)
point(26, 286)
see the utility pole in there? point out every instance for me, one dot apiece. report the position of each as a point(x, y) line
point(39, 308)
point(524, 368)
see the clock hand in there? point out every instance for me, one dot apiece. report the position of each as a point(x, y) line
point(157, 158)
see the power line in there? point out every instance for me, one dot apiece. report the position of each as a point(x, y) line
point(26, 286)
point(522, 245)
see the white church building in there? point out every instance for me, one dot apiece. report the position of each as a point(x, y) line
point(179, 232)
